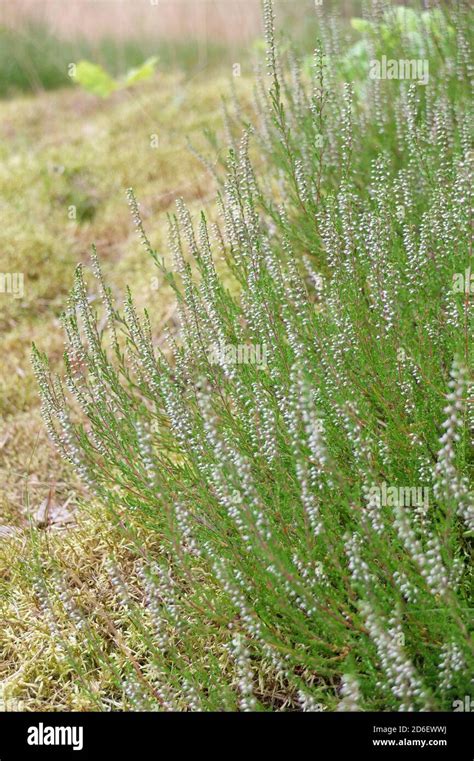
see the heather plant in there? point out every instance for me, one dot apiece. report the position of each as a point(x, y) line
point(259, 461)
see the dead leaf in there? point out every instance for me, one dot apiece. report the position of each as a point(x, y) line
point(7, 531)
point(51, 514)
point(5, 441)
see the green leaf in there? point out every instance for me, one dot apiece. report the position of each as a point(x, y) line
point(355, 62)
point(407, 18)
point(361, 25)
point(436, 23)
point(140, 73)
point(94, 79)
point(259, 45)
point(416, 40)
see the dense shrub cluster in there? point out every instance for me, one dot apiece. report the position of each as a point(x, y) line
point(291, 470)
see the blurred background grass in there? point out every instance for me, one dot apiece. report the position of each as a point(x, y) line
point(38, 40)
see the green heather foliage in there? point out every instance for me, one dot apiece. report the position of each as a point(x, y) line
point(291, 469)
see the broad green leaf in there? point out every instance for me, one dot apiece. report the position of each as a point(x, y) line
point(94, 79)
point(140, 73)
point(361, 25)
point(407, 18)
point(259, 45)
point(416, 40)
point(435, 22)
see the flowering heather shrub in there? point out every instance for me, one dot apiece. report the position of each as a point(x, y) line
point(291, 472)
